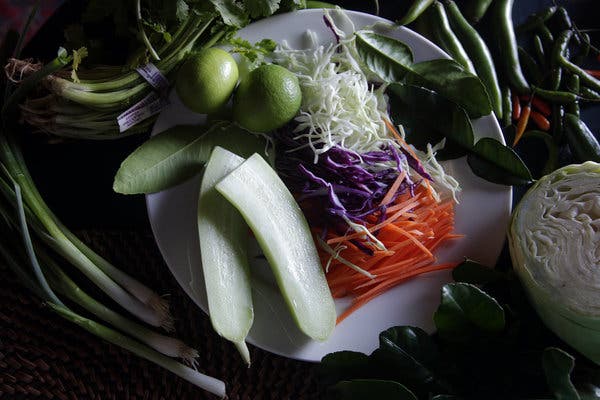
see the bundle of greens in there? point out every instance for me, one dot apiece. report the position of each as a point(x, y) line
point(92, 82)
point(70, 98)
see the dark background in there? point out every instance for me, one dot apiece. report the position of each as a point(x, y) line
point(75, 177)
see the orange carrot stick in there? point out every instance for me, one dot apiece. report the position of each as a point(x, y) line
point(374, 292)
point(393, 189)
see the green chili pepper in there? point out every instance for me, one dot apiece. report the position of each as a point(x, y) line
point(559, 51)
point(540, 53)
point(446, 38)
point(588, 94)
point(546, 36)
point(530, 68)
point(572, 85)
point(555, 96)
point(506, 106)
point(416, 9)
point(584, 49)
point(583, 143)
point(585, 78)
point(478, 52)
point(562, 44)
point(560, 20)
point(535, 20)
point(558, 112)
point(474, 10)
point(505, 45)
point(555, 78)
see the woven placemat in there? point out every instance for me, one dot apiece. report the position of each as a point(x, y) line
point(43, 356)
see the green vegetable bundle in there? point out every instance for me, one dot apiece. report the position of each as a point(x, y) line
point(71, 97)
point(65, 97)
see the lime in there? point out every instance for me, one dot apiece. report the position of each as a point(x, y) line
point(267, 98)
point(206, 80)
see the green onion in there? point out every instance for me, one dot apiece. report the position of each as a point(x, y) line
point(205, 382)
point(67, 287)
point(29, 248)
point(58, 237)
point(89, 108)
point(29, 211)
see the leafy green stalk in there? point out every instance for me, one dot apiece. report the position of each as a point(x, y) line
point(142, 32)
point(39, 274)
point(67, 287)
point(32, 81)
point(29, 282)
point(61, 243)
point(205, 382)
point(114, 100)
point(171, 56)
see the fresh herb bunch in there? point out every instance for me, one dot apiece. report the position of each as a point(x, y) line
point(93, 81)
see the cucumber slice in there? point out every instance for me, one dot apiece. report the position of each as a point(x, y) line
point(282, 232)
point(223, 235)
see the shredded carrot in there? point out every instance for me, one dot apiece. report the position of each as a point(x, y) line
point(402, 206)
point(399, 138)
point(411, 225)
point(393, 189)
point(375, 291)
point(540, 120)
point(415, 227)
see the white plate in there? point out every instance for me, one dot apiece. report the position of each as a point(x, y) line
point(482, 216)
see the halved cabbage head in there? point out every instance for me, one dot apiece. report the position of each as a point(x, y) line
point(554, 240)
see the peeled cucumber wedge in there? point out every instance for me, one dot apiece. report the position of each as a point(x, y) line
point(223, 235)
point(284, 236)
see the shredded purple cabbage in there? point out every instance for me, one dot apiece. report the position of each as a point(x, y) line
point(416, 165)
point(342, 183)
point(329, 24)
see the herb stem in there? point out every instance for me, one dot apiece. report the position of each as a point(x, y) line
point(145, 40)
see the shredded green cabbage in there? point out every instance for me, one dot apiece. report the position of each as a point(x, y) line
point(340, 107)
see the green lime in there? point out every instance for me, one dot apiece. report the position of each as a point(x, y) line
point(267, 98)
point(206, 80)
